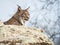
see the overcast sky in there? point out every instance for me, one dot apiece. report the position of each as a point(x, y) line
point(7, 8)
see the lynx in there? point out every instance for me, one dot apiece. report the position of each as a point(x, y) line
point(19, 18)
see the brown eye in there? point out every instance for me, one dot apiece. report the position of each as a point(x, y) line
point(23, 15)
point(27, 13)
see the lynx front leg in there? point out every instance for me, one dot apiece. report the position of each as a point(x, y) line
point(22, 22)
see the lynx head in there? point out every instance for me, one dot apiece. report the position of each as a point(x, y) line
point(23, 14)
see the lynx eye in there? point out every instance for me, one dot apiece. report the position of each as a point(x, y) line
point(23, 15)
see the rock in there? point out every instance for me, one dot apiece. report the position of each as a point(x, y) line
point(1, 23)
point(21, 35)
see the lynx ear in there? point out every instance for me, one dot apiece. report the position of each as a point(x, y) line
point(19, 8)
point(28, 8)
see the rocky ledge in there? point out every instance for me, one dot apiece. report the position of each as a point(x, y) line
point(21, 35)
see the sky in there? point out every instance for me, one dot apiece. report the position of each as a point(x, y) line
point(7, 9)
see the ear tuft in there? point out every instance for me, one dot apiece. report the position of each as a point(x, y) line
point(28, 8)
point(19, 8)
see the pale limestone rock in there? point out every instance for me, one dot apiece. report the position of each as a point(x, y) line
point(21, 35)
point(1, 23)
